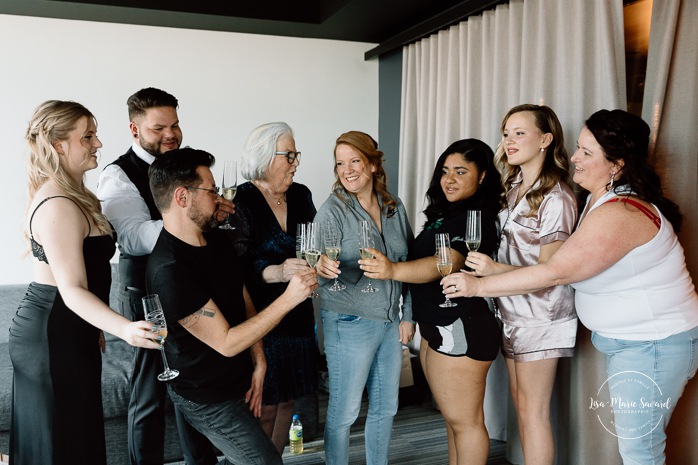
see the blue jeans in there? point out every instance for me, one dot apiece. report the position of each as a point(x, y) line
point(360, 353)
point(232, 428)
point(146, 408)
point(649, 377)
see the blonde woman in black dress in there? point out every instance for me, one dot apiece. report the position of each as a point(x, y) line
point(55, 336)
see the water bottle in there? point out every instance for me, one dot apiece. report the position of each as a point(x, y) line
point(295, 436)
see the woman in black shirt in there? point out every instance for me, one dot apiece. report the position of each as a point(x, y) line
point(458, 343)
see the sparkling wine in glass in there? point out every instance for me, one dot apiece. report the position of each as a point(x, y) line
point(229, 187)
point(472, 230)
point(333, 247)
point(366, 242)
point(155, 316)
point(444, 261)
point(312, 248)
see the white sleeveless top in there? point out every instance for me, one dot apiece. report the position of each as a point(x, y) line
point(646, 295)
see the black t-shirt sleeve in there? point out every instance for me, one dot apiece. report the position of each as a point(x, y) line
point(179, 291)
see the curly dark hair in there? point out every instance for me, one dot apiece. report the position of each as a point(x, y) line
point(481, 155)
point(624, 136)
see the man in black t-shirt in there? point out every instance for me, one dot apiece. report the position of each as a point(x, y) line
point(128, 204)
point(215, 333)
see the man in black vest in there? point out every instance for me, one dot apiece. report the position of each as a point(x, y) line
point(128, 204)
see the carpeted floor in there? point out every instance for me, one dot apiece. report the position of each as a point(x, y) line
point(418, 438)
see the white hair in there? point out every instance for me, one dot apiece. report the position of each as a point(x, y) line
point(259, 148)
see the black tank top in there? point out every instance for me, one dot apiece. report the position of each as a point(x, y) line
point(38, 249)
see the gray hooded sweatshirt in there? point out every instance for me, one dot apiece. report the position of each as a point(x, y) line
point(346, 212)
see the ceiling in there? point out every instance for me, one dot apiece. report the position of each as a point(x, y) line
point(373, 21)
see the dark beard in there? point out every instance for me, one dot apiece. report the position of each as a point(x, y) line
point(151, 149)
point(211, 224)
point(204, 223)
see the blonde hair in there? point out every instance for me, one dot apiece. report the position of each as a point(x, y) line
point(368, 149)
point(556, 164)
point(53, 121)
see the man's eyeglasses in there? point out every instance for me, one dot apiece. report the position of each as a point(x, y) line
point(291, 157)
point(215, 190)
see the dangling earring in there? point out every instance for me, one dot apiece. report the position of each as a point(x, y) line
point(613, 175)
point(542, 149)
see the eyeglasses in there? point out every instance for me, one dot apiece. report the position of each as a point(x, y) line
point(215, 190)
point(291, 157)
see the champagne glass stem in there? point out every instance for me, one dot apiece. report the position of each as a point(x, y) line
point(164, 359)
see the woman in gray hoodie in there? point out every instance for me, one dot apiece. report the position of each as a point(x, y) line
point(363, 331)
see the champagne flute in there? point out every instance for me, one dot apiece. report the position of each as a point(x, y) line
point(300, 240)
point(229, 187)
point(155, 316)
point(472, 230)
point(333, 248)
point(444, 262)
point(312, 248)
point(366, 242)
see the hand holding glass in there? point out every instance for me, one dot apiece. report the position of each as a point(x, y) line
point(155, 316)
point(444, 262)
point(230, 187)
point(366, 242)
point(333, 248)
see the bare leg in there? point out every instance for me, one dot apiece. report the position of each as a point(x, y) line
point(268, 418)
point(284, 415)
point(531, 386)
point(458, 385)
point(452, 458)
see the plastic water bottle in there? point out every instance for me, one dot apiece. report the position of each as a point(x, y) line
point(295, 436)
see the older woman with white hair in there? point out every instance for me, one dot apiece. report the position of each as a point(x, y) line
point(268, 208)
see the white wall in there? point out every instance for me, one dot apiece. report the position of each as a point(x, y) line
point(226, 83)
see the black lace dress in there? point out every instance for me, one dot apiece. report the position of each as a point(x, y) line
point(291, 347)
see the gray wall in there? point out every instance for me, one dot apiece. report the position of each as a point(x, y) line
point(389, 95)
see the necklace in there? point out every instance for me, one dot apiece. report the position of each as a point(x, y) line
point(268, 194)
point(520, 195)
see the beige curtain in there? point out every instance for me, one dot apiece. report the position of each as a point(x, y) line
point(670, 105)
point(458, 84)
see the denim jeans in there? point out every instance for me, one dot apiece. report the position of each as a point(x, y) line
point(649, 376)
point(232, 428)
point(360, 353)
point(146, 408)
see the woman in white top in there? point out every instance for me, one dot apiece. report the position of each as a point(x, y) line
point(632, 286)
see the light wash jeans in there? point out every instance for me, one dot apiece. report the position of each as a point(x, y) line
point(360, 352)
point(232, 428)
point(641, 423)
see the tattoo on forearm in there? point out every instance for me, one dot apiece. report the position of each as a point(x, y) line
point(191, 320)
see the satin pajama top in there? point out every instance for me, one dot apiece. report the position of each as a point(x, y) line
point(521, 240)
